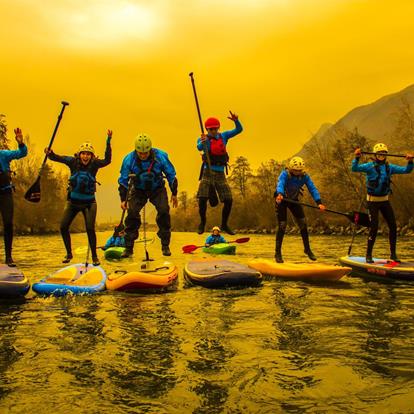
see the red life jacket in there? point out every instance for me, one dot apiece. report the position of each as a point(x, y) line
point(217, 152)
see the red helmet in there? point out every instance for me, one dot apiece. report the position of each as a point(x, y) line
point(212, 123)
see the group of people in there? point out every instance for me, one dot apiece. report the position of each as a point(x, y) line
point(143, 174)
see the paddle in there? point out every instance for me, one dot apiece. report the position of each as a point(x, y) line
point(388, 155)
point(356, 217)
point(212, 194)
point(33, 193)
point(191, 247)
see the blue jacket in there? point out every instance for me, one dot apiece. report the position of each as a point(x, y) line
point(161, 166)
point(212, 239)
point(377, 177)
point(114, 242)
point(226, 135)
point(6, 156)
point(290, 186)
point(89, 172)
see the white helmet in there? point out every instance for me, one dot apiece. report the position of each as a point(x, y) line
point(297, 163)
point(380, 148)
point(143, 143)
point(87, 147)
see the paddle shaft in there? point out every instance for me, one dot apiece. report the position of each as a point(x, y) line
point(64, 105)
point(200, 121)
point(311, 206)
point(388, 155)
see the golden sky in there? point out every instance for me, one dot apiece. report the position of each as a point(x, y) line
point(285, 66)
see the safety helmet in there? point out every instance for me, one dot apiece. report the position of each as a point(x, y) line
point(216, 228)
point(297, 163)
point(212, 123)
point(380, 147)
point(143, 143)
point(86, 147)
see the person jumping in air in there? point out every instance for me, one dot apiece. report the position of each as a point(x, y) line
point(6, 192)
point(215, 237)
point(117, 239)
point(378, 181)
point(289, 185)
point(149, 165)
point(81, 192)
point(216, 143)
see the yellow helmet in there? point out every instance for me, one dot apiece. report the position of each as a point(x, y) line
point(380, 148)
point(297, 163)
point(216, 228)
point(87, 147)
point(143, 143)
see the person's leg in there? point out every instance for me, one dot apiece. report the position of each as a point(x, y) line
point(373, 209)
point(133, 220)
point(389, 216)
point(7, 207)
point(69, 214)
point(299, 216)
point(160, 200)
point(281, 213)
point(226, 197)
point(89, 214)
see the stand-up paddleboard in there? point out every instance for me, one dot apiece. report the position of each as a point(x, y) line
point(220, 248)
point(212, 273)
point(12, 282)
point(150, 276)
point(381, 268)
point(300, 271)
point(75, 279)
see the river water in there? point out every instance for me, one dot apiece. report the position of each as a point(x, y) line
point(284, 347)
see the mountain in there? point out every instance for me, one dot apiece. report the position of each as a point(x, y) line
point(389, 119)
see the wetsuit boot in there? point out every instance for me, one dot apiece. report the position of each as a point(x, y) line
point(278, 251)
point(306, 245)
point(370, 246)
point(225, 214)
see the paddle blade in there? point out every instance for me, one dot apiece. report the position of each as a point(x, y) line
point(212, 196)
point(242, 240)
point(190, 248)
point(33, 193)
point(362, 219)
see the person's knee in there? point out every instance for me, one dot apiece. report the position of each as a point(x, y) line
point(282, 226)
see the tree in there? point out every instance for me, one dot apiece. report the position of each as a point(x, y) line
point(241, 174)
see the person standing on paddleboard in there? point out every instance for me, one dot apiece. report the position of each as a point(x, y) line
point(214, 164)
point(378, 181)
point(6, 192)
point(81, 192)
point(289, 185)
point(149, 165)
point(215, 237)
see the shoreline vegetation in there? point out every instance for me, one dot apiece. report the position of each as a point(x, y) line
point(327, 156)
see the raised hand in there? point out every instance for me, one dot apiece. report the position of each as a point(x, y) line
point(18, 135)
point(233, 116)
point(109, 133)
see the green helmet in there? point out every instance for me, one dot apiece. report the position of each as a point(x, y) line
point(143, 143)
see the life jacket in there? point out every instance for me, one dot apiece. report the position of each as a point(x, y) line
point(146, 179)
point(217, 152)
point(82, 183)
point(299, 190)
point(374, 187)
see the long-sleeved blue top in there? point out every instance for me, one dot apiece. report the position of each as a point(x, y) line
point(6, 156)
point(290, 186)
point(377, 176)
point(162, 165)
point(213, 239)
point(114, 242)
point(226, 135)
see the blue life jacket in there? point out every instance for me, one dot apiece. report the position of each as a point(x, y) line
point(82, 186)
point(377, 186)
point(147, 179)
